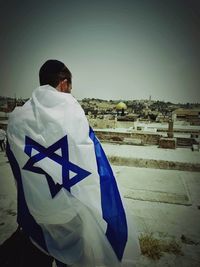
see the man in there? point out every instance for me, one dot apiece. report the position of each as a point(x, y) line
point(2, 139)
point(69, 205)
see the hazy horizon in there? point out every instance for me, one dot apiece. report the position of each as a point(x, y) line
point(114, 49)
point(123, 100)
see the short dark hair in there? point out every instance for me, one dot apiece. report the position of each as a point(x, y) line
point(54, 71)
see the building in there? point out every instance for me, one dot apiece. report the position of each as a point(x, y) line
point(190, 115)
point(121, 107)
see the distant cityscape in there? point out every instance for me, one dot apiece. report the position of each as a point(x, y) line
point(139, 122)
point(124, 110)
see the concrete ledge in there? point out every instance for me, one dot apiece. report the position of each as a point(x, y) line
point(156, 196)
point(128, 137)
point(155, 164)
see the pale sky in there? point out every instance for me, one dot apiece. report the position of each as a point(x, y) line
point(114, 49)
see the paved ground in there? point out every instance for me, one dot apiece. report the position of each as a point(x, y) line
point(184, 155)
point(7, 199)
point(163, 202)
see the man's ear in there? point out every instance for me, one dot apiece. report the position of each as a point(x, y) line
point(59, 87)
point(63, 85)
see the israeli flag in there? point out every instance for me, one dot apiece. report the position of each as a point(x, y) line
point(68, 200)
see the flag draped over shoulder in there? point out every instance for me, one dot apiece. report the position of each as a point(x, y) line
point(68, 199)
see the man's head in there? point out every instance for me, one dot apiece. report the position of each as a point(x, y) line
point(56, 74)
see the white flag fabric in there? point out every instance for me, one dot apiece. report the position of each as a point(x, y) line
point(68, 199)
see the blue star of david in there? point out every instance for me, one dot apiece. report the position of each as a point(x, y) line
point(63, 160)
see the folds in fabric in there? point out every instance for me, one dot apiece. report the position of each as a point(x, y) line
point(68, 198)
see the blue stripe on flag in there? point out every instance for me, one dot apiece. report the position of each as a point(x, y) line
point(24, 218)
point(112, 208)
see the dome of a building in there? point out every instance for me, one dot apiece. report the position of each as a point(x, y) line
point(121, 106)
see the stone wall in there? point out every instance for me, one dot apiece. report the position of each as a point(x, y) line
point(129, 138)
point(153, 163)
point(141, 138)
point(185, 142)
point(109, 123)
point(167, 143)
point(102, 123)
